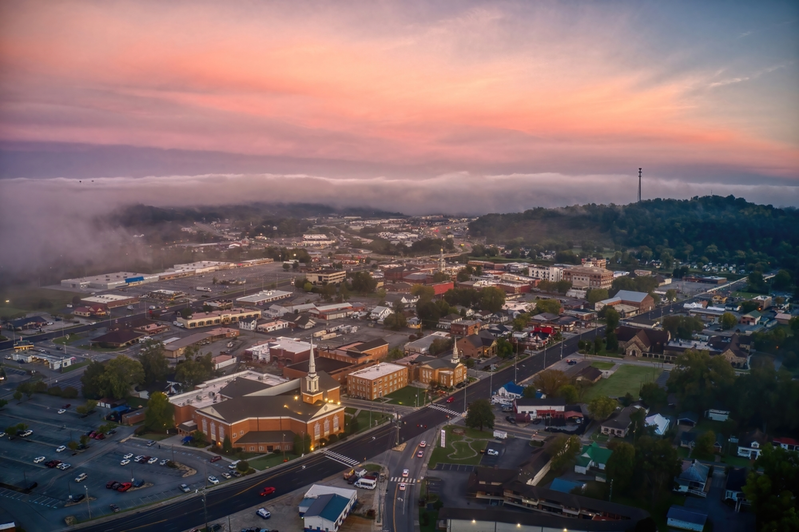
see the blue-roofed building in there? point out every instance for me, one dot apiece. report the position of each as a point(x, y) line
point(327, 513)
point(511, 390)
point(317, 490)
point(565, 486)
point(686, 518)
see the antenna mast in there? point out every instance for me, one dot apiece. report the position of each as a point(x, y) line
point(639, 185)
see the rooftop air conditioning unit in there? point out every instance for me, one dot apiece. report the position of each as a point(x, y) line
point(199, 397)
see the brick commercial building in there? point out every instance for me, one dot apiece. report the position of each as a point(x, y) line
point(478, 345)
point(263, 413)
point(337, 369)
point(219, 317)
point(326, 277)
point(360, 352)
point(377, 381)
point(109, 301)
point(586, 277)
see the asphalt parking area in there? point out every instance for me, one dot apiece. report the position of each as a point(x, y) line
point(454, 467)
point(491, 461)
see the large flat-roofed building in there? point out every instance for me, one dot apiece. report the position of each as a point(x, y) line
point(587, 277)
point(377, 381)
point(326, 277)
point(177, 348)
point(218, 317)
point(640, 301)
point(360, 352)
point(263, 298)
point(108, 281)
point(546, 273)
point(264, 413)
point(109, 301)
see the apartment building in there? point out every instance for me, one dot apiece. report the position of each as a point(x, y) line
point(587, 277)
point(377, 381)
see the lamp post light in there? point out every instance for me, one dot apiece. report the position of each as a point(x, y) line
point(88, 504)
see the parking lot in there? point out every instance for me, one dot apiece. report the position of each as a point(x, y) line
point(100, 462)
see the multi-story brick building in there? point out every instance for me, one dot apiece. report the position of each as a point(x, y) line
point(263, 413)
point(444, 371)
point(377, 381)
point(587, 277)
point(326, 277)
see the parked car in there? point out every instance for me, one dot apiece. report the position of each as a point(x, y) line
point(138, 484)
point(63, 466)
point(38, 459)
point(114, 508)
point(61, 448)
point(110, 483)
point(263, 512)
point(492, 452)
point(213, 480)
point(53, 463)
point(81, 477)
point(184, 488)
point(269, 490)
point(163, 462)
point(150, 443)
point(125, 486)
point(115, 485)
point(215, 459)
point(124, 462)
point(62, 410)
point(152, 460)
point(128, 456)
point(510, 419)
point(25, 433)
point(77, 498)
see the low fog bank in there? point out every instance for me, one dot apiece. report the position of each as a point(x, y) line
point(45, 220)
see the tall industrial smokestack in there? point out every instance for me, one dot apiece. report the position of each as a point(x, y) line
point(639, 185)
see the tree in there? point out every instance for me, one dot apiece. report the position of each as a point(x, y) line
point(186, 313)
point(396, 321)
point(363, 283)
point(756, 283)
point(621, 465)
point(492, 299)
point(159, 415)
point(699, 379)
point(504, 348)
point(774, 494)
point(521, 321)
point(671, 295)
point(612, 320)
point(563, 449)
point(728, 321)
point(87, 408)
point(153, 361)
point(69, 392)
point(84, 440)
point(782, 280)
point(551, 306)
point(17, 395)
point(638, 423)
point(193, 371)
point(530, 392)
point(464, 274)
point(299, 448)
point(569, 393)
point(683, 326)
point(480, 415)
point(611, 341)
point(227, 445)
point(550, 381)
point(428, 312)
point(597, 294)
point(243, 466)
point(91, 380)
point(396, 353)
point(703, 447)
point(653, 395)
point(425, 293)
point(73, 445)
point(602, 407)
point(3, 403)
point(120, 374)
point(657, 463)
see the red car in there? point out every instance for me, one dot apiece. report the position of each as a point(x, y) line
point(450, 398)
point(216, 458)
point(124, 487)
point(267, 491)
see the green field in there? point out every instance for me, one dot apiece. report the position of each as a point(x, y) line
point(270, 460)
point(364, 416)
point(603, 365)
point(24, 300)
point(625, 379)
point(69, 341)
point(407, 396)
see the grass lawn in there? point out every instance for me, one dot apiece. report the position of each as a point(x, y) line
point(745, 295)
point(350, 410)
point(603, 365)
point(11, 312)
point(75, 366)
point(156, 436)
point(137, 402)
point(736, 461)
point(407, 396)
point(461, 449)
point(658, 511)
point(69, 341)
point(373, 467)
point(625, 379)
point(376, 417)
point(271, 460)
point(428, 520)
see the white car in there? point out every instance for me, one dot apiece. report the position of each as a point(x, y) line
point(61, 448)
point(124, 462)
point(63, 466)
point(62, 410)
point(492, 452)
point(128, 456)
point(263, 512)
point(39, 459)
point(422, 444)
point(405, 472)
point(81, 477)
point(26, 433)
point(152, 460)
point(402, 486)
point(163, 462)
point(213, 480)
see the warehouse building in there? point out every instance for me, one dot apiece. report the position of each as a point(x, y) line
point(109, 281)
point(109, 301)
point(264, 297)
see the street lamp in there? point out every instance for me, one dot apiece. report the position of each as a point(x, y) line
point(88, 504)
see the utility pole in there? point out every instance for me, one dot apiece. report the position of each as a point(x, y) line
point(88, 505)
point(205, 510)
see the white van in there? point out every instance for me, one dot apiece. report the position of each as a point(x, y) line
point(234, 464)
point(366, 483)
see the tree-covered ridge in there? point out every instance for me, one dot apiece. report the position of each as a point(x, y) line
point(722, 229)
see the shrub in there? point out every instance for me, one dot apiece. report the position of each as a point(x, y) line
point(243, 466)
point(333, 438)
point(54, 390)
point(69, 393)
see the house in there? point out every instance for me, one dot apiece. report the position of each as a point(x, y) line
point(688, 418)
point(693, 478)
point(751, 444)
point(379, 313)
point(619, 424)
point(317, 490)
point(686, 518)
point(592, 456)
point(733, 487)
point(751, 318)
point(447, 321)
point(300, 321)
point(327, 513)
point(422, 345)
point(477, 345)
point(511, 390)
point(717, 413)
point(535, 468)
point(789, 444)
point(688, 439)
point(588, 374)
point(660, 423)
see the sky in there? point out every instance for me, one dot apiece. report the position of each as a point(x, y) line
point(456, 106)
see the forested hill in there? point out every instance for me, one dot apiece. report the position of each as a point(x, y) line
point(726, 229)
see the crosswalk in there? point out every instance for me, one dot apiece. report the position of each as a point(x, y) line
point(340, 458)
point(446, 410)
point(406, 480)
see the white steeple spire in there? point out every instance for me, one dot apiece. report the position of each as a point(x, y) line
point(312, 380)
point(455, 358)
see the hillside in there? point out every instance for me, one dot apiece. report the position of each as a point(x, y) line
point(715, 228)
